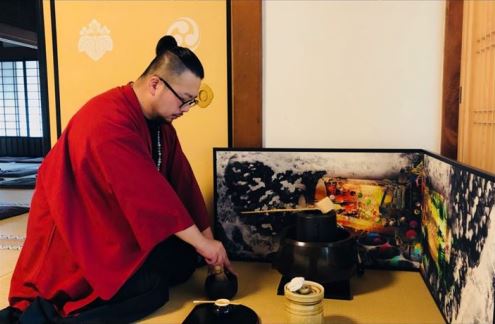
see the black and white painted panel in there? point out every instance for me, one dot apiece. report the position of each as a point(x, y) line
point(459, 245)
point(379, 191)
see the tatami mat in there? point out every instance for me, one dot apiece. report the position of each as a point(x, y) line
point(14, 226)
point(379, 296)
point(4, 289)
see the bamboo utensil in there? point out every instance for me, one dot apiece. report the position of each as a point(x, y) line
point(324, 205)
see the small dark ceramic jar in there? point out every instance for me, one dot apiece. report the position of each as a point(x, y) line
point(220, 284)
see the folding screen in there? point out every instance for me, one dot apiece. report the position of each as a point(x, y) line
point(379, 193)
point(408, 209)
point(459, 240)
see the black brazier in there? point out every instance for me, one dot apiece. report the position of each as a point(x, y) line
point(318, 250)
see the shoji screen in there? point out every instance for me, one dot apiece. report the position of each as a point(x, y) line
point(477, 119)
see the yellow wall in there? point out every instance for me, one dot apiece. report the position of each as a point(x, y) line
point(130, 30)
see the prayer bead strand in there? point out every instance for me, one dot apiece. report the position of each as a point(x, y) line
point(159, 149)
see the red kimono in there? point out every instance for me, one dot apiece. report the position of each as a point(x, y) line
point(100, 205)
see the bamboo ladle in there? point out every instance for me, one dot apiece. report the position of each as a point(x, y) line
point(324, 205)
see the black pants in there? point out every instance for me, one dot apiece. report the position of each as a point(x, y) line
point(172, 262)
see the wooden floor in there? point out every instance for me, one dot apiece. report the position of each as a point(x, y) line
point(379, 296)
point(9, 226)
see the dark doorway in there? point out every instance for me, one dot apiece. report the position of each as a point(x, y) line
point(24, 128)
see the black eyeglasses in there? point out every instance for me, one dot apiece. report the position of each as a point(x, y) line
point(185, 103)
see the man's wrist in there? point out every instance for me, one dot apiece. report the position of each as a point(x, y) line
point(208, 233)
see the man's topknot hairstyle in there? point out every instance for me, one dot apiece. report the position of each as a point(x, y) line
point(165, 43)
point(174, 59)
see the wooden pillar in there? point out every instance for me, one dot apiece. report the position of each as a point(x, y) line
point(246, 76)
point(451, 77)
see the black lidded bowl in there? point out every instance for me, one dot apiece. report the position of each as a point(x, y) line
point(331, 257)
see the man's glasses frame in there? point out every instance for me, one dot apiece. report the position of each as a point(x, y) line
point(184, 103)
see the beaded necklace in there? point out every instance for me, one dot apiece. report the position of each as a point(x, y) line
point(159, 150)
point(156, 142)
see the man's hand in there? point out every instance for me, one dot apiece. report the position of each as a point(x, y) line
point(214, 253)
point(209, 235)
point(209, 248)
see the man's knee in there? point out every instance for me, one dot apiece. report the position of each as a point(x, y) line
point(182, 274)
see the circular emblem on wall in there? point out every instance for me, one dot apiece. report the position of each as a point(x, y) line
point(186, 32)
point(95, 40)
point(205, 95)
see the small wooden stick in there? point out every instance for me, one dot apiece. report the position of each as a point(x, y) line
point(277, 210)
point(325, 206)
point(219, 302)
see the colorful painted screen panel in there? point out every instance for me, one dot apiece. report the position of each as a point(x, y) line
point(458, 262)
point(378, 195)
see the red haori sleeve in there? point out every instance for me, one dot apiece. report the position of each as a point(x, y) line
point(127, 207)
point(181, 177)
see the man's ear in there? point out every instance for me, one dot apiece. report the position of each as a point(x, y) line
point(152, 84)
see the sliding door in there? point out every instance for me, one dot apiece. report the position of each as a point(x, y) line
point(103, 44)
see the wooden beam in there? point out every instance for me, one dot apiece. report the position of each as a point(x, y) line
point(18, 36)
point(451, 77)
point(18, 53)
point(246, 82)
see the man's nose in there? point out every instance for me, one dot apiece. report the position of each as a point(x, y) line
point(185, 109)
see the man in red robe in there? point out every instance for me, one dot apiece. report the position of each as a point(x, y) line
point(117, 216)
